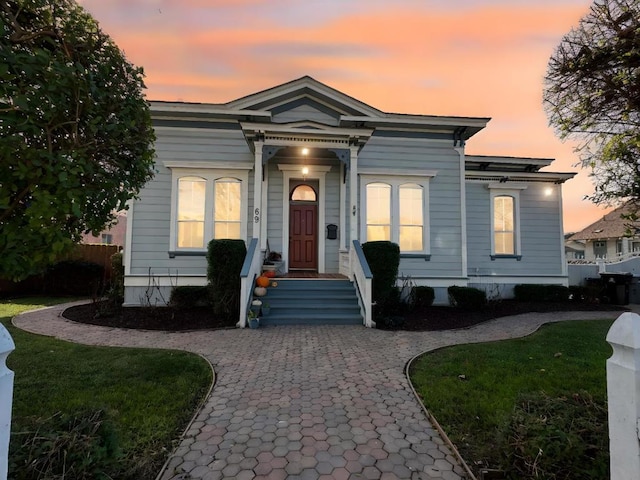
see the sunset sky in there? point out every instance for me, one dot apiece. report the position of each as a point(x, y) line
point(482, 58)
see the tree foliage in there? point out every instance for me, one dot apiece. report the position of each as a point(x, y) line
point(75, 131)
point(592, 95)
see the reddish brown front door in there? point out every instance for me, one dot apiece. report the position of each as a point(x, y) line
point(303, 237)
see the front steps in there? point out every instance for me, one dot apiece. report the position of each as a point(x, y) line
point(311, 302)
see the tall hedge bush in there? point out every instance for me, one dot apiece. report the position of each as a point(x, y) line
point(383, 258)
point(116, 293)
point(224, 264)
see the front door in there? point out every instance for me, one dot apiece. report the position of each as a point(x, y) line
point(303, 236)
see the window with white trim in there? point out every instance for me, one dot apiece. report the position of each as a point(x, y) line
point(207, 204)
point(396, 209)
point(505, 220)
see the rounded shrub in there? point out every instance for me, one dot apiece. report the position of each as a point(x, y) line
point(468, 298)
point(422, 296)
point(188, 296)
point(541, 293)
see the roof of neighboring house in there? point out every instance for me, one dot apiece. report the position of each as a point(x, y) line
point(611, 225)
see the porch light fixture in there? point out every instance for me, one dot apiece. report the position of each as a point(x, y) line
point(305, 172)
point(305, 151)
point(548, 191)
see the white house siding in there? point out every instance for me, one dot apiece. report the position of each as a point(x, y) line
point(275, 211)
point(152, 211)
point(305, 110)
point(540, 233)
point(405, 155)
point(332, 215)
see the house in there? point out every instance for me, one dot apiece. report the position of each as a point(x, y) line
point(310, 172)
point(114, 235)
point(573, 249)
point(612, 237)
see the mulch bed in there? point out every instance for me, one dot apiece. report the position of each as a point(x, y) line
point(426, 319)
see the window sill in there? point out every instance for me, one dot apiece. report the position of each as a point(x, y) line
point(187, 253)
point(425, 256)
point(517, 257)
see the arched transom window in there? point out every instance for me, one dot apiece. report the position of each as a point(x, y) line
point(304, 193)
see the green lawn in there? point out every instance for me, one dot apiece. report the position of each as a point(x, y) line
point(147, 397)
point(560, 360)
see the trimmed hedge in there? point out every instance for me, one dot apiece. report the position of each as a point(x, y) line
point(468, 298)
point(422, 296)
point(188, 296)
point(383, 258)
point(224, 264)
point(541, 293)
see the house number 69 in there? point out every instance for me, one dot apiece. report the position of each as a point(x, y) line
point(256, 217)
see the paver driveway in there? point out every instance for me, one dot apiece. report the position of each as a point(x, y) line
point(325, 402)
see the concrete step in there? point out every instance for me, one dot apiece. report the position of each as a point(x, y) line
point(312, 302)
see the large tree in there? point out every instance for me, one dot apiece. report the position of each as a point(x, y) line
point(76, 140)
point(592, 95)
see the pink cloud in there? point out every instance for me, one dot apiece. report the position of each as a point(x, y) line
point(484, 61)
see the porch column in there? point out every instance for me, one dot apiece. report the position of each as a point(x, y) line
point(343, 214)
point(257, 190)
point(354, 211)
point(265, 205)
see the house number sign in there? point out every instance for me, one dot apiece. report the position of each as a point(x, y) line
point(256, 217)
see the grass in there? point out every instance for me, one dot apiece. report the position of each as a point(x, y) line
point(147, 396)
point(560, 359)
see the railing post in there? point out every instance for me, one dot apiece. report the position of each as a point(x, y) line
point(6, 399)
point(623, 391)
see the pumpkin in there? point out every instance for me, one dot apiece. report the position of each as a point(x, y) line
point(262, 281)
point(259, 291)
point(269, 274)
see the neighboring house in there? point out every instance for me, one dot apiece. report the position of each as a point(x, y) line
point(611, 237)
point(115, 235)
point(573, 249)
point(307, 170)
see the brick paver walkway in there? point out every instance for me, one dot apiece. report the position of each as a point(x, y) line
point(325, 402)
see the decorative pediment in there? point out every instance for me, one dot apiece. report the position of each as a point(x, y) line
point(305, 91)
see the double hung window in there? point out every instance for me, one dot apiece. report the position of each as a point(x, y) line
point(395, 209)
point(505, 221)
point(207, 205)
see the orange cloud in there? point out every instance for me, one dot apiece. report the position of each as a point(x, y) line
point(410, 57)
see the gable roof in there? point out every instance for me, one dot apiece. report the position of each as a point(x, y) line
point(300, 87)
point(611, 225)
point(349, 112)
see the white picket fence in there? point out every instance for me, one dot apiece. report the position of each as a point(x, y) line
point(623, 391)
point(6, 399)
